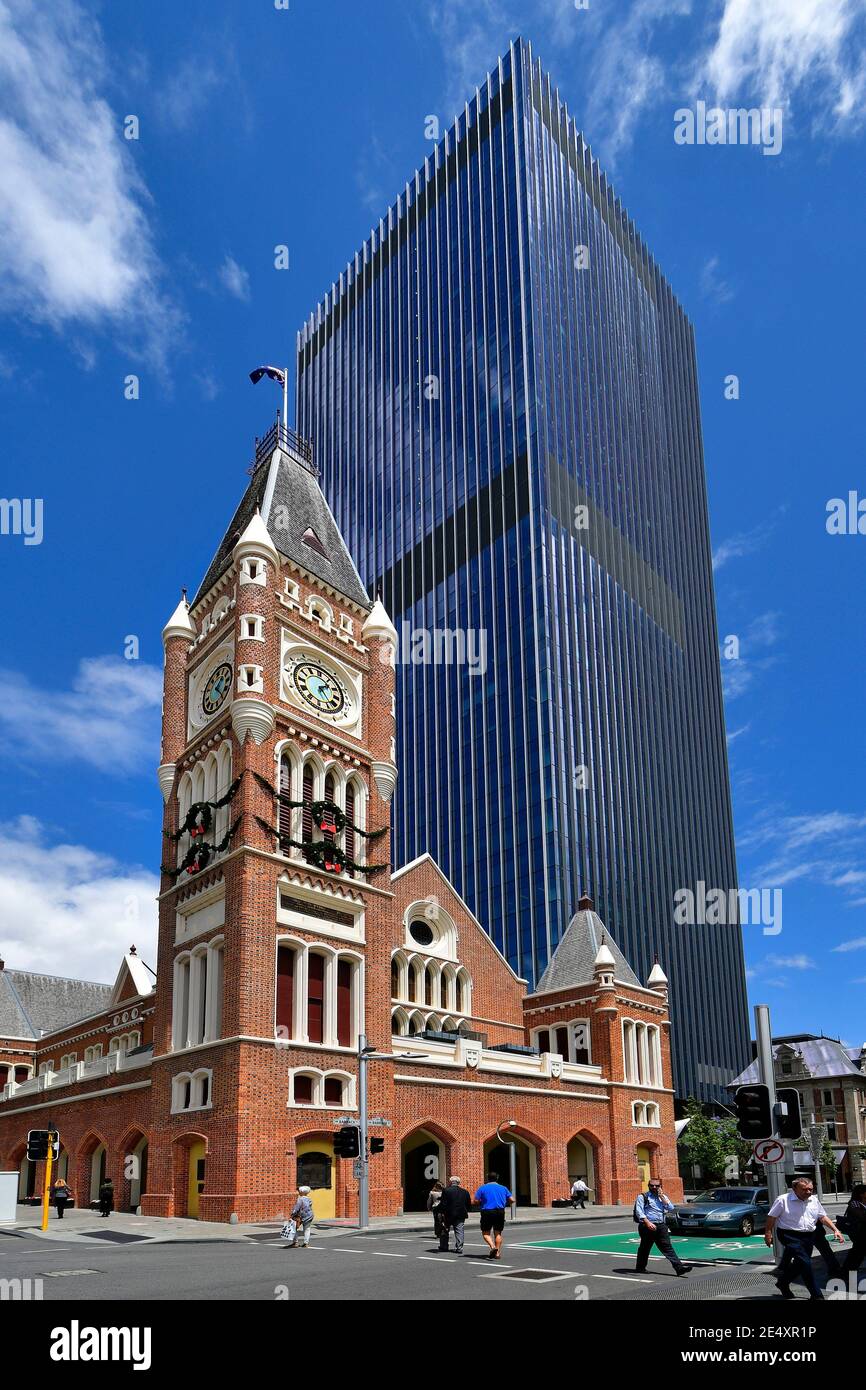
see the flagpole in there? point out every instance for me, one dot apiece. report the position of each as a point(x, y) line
point(285, 402)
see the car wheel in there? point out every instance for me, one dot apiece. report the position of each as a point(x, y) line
point(747, 1226)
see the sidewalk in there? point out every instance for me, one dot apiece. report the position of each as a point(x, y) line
point(81, 1226)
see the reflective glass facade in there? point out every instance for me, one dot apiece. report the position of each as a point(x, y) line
point(501, 391)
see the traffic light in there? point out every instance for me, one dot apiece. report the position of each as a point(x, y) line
point(37, 1144)
point(789, 1126)
point(377, 1146)
point(347, 1142)
point(754, 1116)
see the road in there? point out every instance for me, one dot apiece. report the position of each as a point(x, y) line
point(341, 1265)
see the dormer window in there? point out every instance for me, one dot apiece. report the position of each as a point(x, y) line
point(312, 540)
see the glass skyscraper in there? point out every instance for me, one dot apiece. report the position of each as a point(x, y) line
point(501, 392)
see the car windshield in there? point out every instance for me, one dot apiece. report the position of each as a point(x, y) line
point(727, 1194)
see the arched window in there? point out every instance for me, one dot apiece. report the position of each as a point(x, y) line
point(428, 985)
point(395, 978)
point(308, 794)
point(286, 969)
point(345, 975)
point(316, 997)
point(333, 1090)
point(303, 1089)
point(284, 813)
point(418, 982)
point(350, 837)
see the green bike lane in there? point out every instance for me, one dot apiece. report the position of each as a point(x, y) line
point(708, 1248)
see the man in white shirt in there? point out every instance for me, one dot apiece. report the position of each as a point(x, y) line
point(579, 1193)
point(797, 1213)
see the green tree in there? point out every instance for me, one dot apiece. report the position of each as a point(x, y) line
point(711, 1141)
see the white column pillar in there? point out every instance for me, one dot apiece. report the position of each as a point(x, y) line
point(643, 1064)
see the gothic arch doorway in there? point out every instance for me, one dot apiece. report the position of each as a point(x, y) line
point(314, 1168)
point(423, 1161)
point(497, 1159)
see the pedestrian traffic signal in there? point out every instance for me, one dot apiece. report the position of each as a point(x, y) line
point(38, 1141)
point(377, 1146)
point(790, 1125)
point(347, 1142)
point(754, 1116)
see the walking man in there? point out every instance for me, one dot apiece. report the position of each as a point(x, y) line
point(579, 1194)
point(797, 1213)
point(493, 1199)
point(454, 1209)
point(650, 1212)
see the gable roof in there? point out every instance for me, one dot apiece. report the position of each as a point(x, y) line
point(572, 962)
point(133, 979)
point(32, 1004)
point(286, 492)
point(427, 858)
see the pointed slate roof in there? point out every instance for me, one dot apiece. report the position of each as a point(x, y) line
point(286, 492)
point(572, 962)
point(33, 1004)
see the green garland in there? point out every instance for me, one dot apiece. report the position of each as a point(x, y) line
point(199, 817)
point(325, 854)
point(327, 816)
point(200, 853)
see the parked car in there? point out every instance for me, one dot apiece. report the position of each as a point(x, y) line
point(733, 1210)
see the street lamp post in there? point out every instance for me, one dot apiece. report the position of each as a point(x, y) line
point(512, 1161)
point(367, 1054)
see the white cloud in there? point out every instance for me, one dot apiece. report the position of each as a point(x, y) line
point(799, 962)
point(472, 38)
point(78, 248)
point(858, 944)
point(820, 847)
point(737, 733)
point(745, 542)
point(738, 673)
point(625, 78)
point(67, 911)
point(234, 278)
point(714, 286)
point(109, 719)
point(185, 93)
point(781, 52)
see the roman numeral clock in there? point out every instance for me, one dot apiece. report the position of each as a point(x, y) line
point(314, 682)
point(210, 688)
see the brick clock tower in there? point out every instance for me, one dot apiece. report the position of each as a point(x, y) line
point(277, 771)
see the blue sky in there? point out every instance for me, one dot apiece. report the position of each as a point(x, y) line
point(261, 126)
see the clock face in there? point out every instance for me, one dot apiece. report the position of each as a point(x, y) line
point(217, 688)
point(318, 687)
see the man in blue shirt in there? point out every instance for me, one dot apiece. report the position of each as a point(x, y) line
point(650, 1211)
point(493, 1198)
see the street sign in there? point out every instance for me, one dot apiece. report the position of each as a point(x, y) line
point(356, 1168)
point(379, 1121)
point(769, 1151)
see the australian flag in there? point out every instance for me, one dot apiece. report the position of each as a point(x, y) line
point(275, 373)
